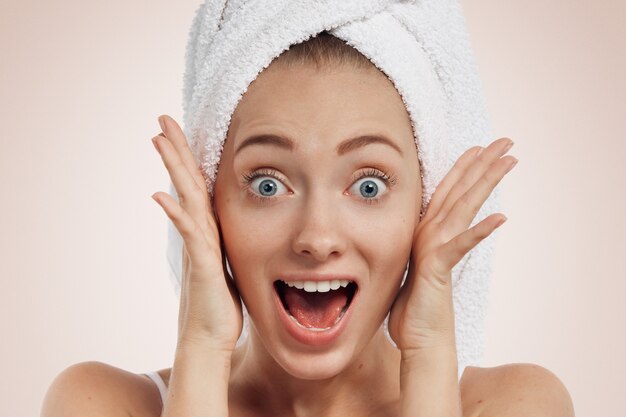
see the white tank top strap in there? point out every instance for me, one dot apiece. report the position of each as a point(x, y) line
point(154, 376)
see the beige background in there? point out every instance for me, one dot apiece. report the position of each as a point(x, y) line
point(83, 270)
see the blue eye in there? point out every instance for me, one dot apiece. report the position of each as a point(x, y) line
point(369, 188)
point(267, 186)
point(263, 184)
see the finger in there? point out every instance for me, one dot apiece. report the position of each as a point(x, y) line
point(449, 180)
point(479, 165)
point(453, 251)
point(466, 207)
point(175, 134)
point(190, 195)
point(195, 243)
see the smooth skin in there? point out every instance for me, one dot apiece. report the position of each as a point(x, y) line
point(211, 375)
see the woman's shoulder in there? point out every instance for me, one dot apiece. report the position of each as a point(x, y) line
point(101, 389)
point(523, 388)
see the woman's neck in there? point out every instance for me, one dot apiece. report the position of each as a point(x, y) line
point(370, 382)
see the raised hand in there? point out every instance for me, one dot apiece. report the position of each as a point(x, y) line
point(210, 307)
point(422, 315)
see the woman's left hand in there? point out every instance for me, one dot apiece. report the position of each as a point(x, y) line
point(422, 315)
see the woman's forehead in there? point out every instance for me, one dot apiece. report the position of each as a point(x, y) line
point(309, 103)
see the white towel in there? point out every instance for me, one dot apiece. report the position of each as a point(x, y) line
point(422, 46)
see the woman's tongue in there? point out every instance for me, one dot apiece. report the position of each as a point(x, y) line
point(315, 309)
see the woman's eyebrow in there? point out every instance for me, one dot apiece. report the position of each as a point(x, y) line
point(344, 147)
point(360, 141)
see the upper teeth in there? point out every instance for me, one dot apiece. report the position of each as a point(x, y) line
point(319, 286)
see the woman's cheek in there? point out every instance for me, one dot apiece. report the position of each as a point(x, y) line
point(250, 235)
point(393, 244)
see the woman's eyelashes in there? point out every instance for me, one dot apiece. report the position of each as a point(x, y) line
point(266, 184)
point(369, 190)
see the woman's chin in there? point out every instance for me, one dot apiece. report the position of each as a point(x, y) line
point(314, 366)
point(307, 362)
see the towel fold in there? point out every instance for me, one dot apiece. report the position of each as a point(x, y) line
point(422, 46)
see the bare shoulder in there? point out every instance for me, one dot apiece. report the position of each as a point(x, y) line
point(511, 390)
point(97, 389)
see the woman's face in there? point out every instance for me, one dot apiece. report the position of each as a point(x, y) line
point(318, 203)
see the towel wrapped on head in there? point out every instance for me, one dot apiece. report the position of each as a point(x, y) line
point(421, 46)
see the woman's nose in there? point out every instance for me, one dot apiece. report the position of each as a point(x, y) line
point(319, 232)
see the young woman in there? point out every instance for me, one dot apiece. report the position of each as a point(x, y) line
point(317, 207)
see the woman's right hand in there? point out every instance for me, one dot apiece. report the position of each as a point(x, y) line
point(210, 307)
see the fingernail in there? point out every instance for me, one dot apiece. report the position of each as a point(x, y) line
point(509, 145)
point(479, 151)
point(501, 222)
point(515, 161)
point(162, 124)
point(156, 146)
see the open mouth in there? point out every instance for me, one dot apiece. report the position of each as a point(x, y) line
point(316, 306)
